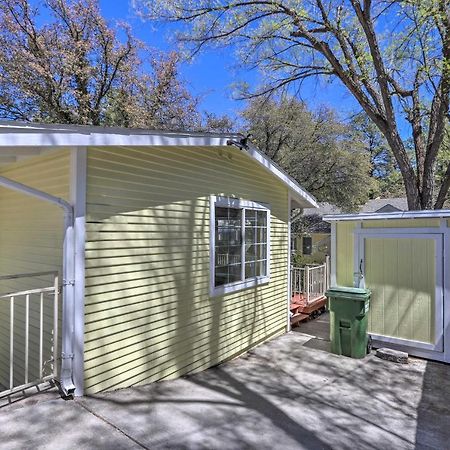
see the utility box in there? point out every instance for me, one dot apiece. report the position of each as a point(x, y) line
point(349, 308)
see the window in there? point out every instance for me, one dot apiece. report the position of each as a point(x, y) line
point(239, 244)
point(307, 245)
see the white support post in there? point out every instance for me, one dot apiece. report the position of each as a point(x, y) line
point(289, 273)
point(11, 342)
point(307, 284)
point(333, 277)
point(78, 199)
point(328, 272)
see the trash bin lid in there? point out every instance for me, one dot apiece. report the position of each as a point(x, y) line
point(348, 292)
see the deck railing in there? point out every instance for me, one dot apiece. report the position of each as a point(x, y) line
point(310, 281)
point(20, 314)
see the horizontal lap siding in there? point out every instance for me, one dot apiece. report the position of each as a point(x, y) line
point(31, 235)
point(148, 314)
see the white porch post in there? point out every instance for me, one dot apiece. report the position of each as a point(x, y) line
point(289, 286)
point(78, 199)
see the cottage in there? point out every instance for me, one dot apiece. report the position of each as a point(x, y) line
point(403, 258)
point(171, 251)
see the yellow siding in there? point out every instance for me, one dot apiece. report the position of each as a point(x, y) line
point(401, 274)
point(344, 253)
point(400, 223)
point(148, 313)
point(31, 234)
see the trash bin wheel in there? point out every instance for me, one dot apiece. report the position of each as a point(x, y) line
point(369, 344)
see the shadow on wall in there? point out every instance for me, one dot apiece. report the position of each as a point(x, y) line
point(149, 314)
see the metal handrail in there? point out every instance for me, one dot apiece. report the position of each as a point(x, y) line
point(13, 296)
point(310, 281)
point(27, 275)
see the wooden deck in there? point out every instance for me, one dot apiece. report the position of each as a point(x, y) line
point(301, 311)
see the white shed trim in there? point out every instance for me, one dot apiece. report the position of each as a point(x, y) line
point(428, 214)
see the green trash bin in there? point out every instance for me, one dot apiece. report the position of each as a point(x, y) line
point(349, 308)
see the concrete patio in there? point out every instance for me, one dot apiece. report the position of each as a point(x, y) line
point(290, 393)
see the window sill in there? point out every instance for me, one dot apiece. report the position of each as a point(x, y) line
point(239, 286)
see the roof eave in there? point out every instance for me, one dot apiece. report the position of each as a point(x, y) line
point(437, 214)
point(17, 134)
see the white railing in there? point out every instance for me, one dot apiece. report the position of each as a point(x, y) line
point(20, 315)
point(311, 281)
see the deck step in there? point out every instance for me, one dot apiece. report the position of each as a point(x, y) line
point(298, 317)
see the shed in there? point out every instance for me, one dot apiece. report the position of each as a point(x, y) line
point(172, 251)
point(403, 257)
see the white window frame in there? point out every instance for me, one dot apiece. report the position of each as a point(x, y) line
point(228, 202)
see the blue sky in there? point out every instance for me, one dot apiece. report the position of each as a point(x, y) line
point(211, 75)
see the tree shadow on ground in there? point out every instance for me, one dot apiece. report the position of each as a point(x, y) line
point(433, 412)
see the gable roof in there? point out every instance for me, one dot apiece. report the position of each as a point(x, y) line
point(322, 209)
point(25, 135)
point(385, 205)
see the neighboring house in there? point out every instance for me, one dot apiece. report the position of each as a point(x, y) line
point(401, 258)
point(312, 235)
point(173, 250)
point(385, 205)
point(312, 239)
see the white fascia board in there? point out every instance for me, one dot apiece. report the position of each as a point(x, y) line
point(303, 198)
point(10, 137)
point(429, 214)
point(16, 134)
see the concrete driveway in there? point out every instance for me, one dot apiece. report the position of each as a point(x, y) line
point(286, 394)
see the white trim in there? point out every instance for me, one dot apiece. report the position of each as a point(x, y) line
point(420, 353)
point(333, 278)
point(230, 202)
point(397, 231)
point(386, 216)
point(403, 342)
point(357, 263)
point(15, 134)
point(390, 233)
point(78, 175)
point(215, 291)
point(302, 197)
point(446, 289)
point(289, 283)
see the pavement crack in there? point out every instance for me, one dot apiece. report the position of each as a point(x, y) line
point(107, 422)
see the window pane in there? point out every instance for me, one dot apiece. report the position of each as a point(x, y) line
point(234, 273)
point(250, 235)
point(221, 277)
point(250, 252)
point(228, 249)
point(261, 268)
point(261, 251)
point(261, 235)
point(250, 270)
point(250, 218)
point(307, 245)
point(262, 218)
point(227, 255)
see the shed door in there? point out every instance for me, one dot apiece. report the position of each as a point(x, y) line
point(405, 276)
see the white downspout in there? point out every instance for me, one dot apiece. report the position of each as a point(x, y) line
point(66, 380)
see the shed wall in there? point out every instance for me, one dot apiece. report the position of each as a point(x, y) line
point(401, 274)
point(344, 253)
point(148, 314)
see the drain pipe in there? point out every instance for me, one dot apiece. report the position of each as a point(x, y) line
point(66, 379)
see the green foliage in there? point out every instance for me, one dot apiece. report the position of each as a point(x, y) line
point(72, 67)
point(317, 149)
point(393, 57)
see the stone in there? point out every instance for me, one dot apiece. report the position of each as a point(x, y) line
point(389, 354)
